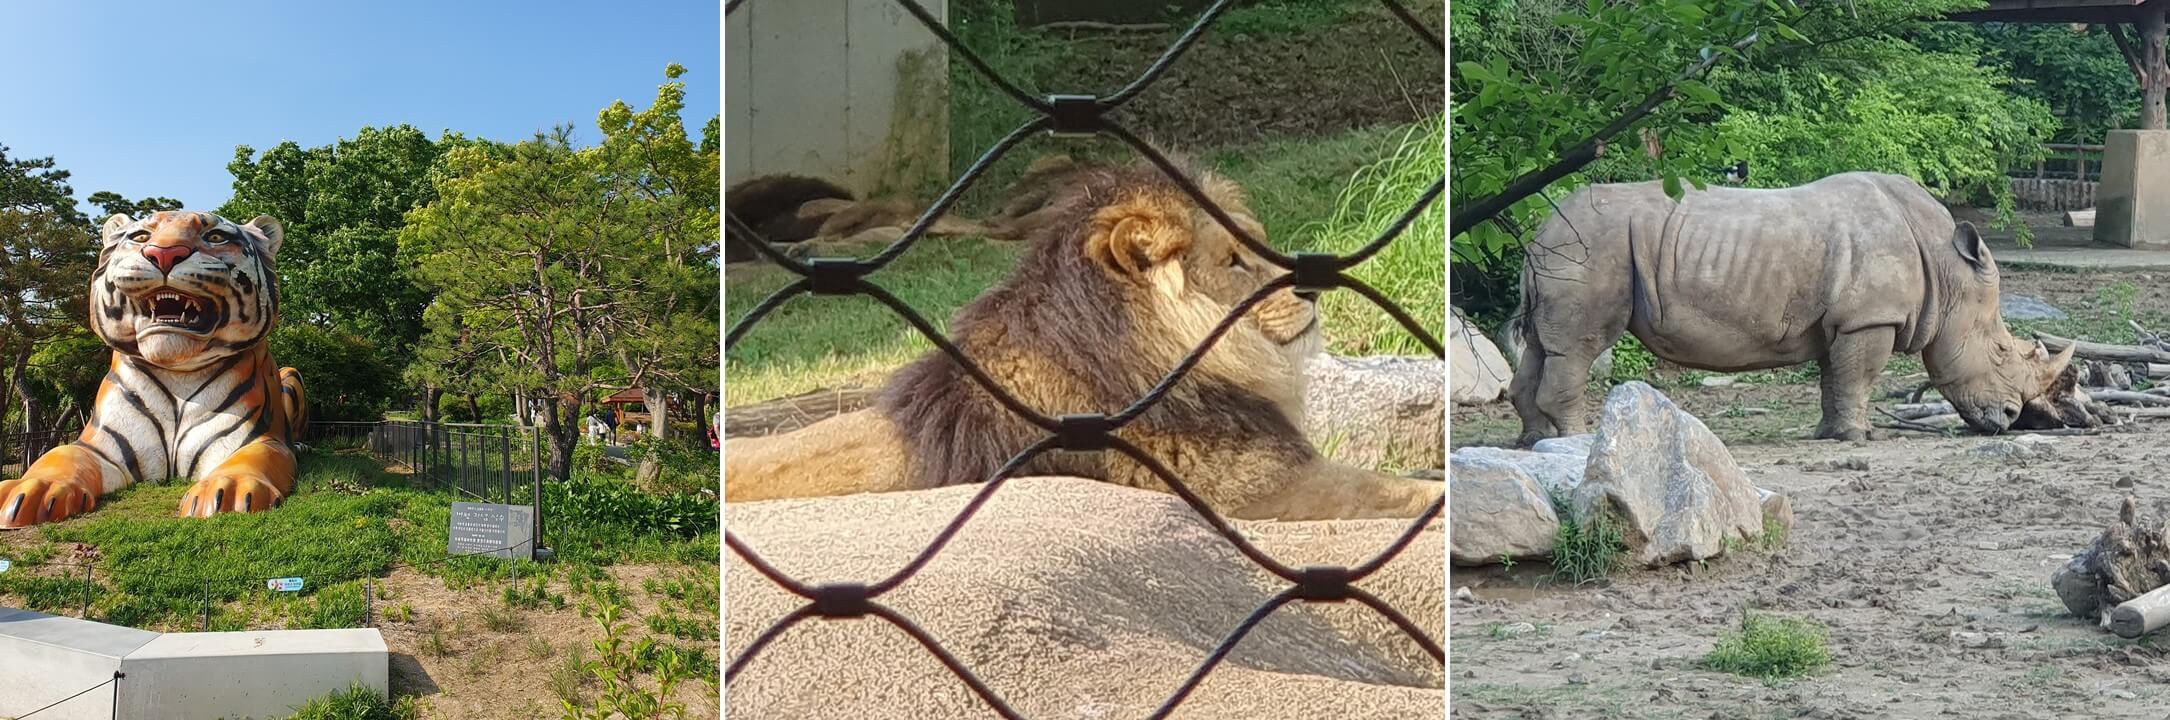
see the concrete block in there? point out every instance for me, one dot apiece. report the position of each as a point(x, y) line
point(262, 674)
point(46, 658)
point(2132, 202)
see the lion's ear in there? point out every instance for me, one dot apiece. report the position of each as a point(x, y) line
point(1133, 237)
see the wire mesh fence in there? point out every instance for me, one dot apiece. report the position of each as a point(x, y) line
point(1077, 115)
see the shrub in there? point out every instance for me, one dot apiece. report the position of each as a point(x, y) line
point(1771, 648)
point(1585, 548)
point(354, 703)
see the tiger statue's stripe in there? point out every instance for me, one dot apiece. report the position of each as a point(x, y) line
point(185, 300)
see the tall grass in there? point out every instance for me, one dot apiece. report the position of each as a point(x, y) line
point(1412, 269)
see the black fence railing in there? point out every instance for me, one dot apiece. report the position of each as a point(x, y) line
point(1077, 115)
point(20, 449)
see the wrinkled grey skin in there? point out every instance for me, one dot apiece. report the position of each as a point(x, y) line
point(1843, 271)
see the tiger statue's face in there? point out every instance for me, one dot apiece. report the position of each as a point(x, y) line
point(183, 289)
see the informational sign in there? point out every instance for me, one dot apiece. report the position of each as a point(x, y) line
point(506, 531)
point(292, 584)
point(5, 564)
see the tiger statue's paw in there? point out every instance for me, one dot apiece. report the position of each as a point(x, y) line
point(42, 498)
point(229, 492)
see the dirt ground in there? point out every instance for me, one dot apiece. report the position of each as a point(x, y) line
point(1928, 562)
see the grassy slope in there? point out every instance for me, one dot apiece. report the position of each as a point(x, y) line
point(351, 520)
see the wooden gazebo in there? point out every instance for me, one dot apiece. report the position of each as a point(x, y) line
point(2133, 199)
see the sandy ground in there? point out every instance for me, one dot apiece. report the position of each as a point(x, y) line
point(1929, 564)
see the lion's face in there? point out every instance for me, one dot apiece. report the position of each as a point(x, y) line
point(1221, 267)
point(1162, 243)
point(184, 289)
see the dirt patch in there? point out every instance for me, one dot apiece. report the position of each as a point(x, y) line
point(1927, 561)
point(1238, 89)
point(447, 652)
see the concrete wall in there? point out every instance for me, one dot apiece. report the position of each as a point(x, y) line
point(854, 91)
point(177, 676)
point(2132, 203)
point(45, 658)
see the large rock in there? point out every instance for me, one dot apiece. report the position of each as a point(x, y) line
point(1481, 374)
point(1667, 478)
point(2027, 307)
point(1074, 598)
point(1566, 445)
point(1498, 510)
point(1383, 412)
point(1556, 473)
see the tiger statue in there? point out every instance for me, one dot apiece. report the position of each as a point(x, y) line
point(185, 300)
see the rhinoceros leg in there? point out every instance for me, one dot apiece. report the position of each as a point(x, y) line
point(1851, 364)
point(1554, 375)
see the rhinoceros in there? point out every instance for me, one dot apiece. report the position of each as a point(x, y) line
point(1842, 271)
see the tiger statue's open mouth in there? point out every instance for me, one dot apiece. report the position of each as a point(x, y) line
point(172, 311)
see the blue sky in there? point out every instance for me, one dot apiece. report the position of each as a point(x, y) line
point(149, 98)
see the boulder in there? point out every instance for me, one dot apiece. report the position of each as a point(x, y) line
point(1379, 412)
point(1778, 507)
point(1498, 511)
point(1481, 374)
point(1066, 594)
point(1566, 445)
point(2024, 307)
point(1556, 473)
point(1676, 490)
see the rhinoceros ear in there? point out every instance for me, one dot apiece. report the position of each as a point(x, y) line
point(1971, 246)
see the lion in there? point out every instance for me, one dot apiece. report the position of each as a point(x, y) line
point(1102, 305)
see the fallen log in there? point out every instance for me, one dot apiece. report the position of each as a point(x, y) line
point(1917, 411)
point(2127, 561)
point(791, 413)
point(2141, 615)
point(2101, 351)
point(2128, 397)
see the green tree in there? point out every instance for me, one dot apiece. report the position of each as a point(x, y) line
point(343, 205)
point(562, 274)
point(112, 203)
point(46, 254)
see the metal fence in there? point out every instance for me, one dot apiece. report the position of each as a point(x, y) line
point(27, 446)
point(1080, 115)
point(488, 463)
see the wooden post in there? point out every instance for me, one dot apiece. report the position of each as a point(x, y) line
point(2156, 76)
point(2141, 615)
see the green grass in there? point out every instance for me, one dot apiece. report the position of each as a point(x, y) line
point(350, 522)
point(1284, 17)
point(1585, 548)
point(811, 343)
point(1411, 270)
point(1771, 648)
point(356, 703)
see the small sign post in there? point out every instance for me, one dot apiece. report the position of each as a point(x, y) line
point(5, 564)
point(285, 584)
point(493, 529)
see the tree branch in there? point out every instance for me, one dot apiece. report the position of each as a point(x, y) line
point(1580, 154)
point(2125, 48)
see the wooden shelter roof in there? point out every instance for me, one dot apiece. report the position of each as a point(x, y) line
point(2056, 11)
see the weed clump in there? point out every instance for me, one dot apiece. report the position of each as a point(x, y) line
point(1586, 548)
point(1771, 648)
